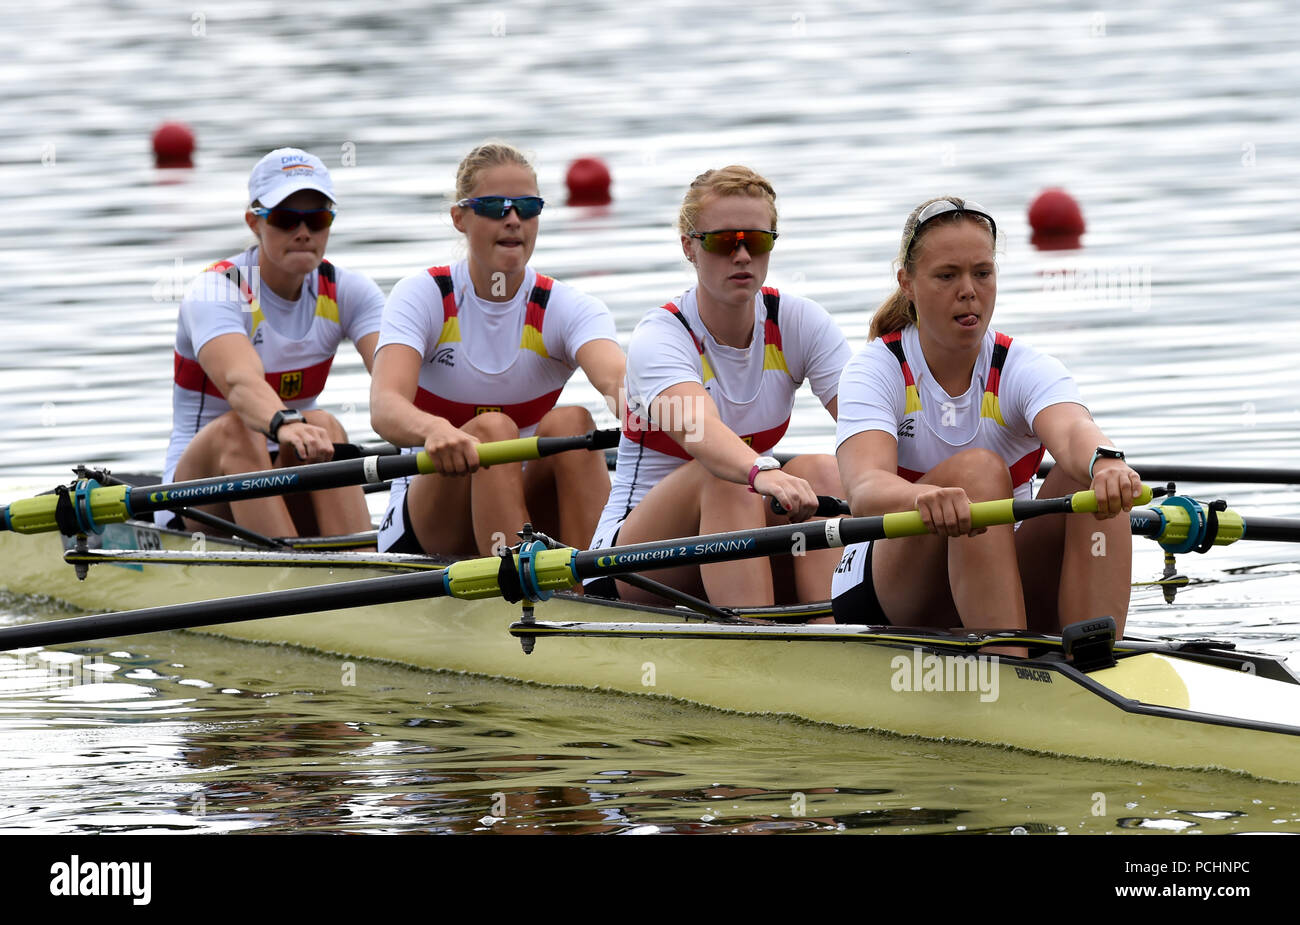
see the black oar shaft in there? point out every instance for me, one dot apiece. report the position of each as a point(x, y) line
point(227, 610)
point(339, 473)
point(1189, 472)
point(795, 538)
point(1280, 529)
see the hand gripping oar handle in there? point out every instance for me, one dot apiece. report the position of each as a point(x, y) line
point(88, 506)
point(827, 506)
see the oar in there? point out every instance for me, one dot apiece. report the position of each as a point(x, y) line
point(539, 571)
point(88, 506)
point(1185, 472)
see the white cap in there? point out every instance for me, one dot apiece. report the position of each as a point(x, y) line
point(284, 172)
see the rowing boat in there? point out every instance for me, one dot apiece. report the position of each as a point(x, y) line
point(1198, 704)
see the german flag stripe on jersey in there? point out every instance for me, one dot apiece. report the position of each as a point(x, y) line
point(534, 313)
point(894, 341)
point(989, 405)
point(773, 355)
point(289, 384)
point(773, 358)
point(327, 293)
point(450, 322)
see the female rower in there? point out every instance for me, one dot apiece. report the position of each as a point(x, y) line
point(938, 411)
point(254, 344)
point(711, 380)
point(480, 351)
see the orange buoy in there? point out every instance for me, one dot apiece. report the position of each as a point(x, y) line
point(173, 145)
point(588, 181)
point(1056, 220)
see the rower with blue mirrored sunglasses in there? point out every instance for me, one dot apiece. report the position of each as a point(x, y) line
point(726, 243)
point(290, 219)
point(525, 207)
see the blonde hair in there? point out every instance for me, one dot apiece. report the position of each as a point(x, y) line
point(897, 311)
point(488, 154)
point(726, 181)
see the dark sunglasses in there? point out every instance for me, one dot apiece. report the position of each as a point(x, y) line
point(525, 207)
point(726, 242)
point(290, 219)
point(946, 207)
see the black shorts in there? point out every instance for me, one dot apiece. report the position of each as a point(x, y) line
point(859, 604)
point(407, 542)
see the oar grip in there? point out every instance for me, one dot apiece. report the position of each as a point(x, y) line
point(1085, 502)
point(475, 579)
point(107, 505)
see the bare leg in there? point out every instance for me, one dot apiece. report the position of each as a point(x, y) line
point(1075, 567)
point(329, 512)
point(225, 447)
point(468, 516)
point(810, 571)
point(567, 492)
point(688, 501)
point(928, 580)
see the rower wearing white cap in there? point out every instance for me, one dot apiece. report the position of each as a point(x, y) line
point(254, 344)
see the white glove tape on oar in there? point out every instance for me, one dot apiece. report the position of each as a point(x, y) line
point(370, 468)
point(833, 531)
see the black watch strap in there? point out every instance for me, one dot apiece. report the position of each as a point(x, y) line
point(280, 418)
point(1104, 452)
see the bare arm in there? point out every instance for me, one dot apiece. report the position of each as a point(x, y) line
point(366, 348)
point(687, 414)
point(230, 361)
point(605, 365)
point(1071, 436)
point(869, 470)
point(395, 417)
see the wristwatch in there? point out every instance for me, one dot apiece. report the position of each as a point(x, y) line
point(1104, 452)
point(280, 418)
point(762, 464)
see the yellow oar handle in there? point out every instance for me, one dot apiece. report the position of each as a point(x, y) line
point(1006, 511)
point(475, 579)
point(520, 449)
point(36, 515)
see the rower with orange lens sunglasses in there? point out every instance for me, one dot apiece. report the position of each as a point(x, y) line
point(726, 243)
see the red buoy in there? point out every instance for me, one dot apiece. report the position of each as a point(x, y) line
point(1056, 220)
point(173, 145)
point(588, 181)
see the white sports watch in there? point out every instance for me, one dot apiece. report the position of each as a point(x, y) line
point(762, 464)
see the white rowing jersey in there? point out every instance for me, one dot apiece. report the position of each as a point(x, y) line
point(888, 386)
point(753, 387)
point(296, 340)
point(479, 356)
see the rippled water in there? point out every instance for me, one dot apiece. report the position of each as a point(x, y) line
point(1175, 128)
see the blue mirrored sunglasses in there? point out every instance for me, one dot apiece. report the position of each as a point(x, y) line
point(525, 207)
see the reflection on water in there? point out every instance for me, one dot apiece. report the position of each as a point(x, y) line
point(261, 742)
point(1174, 128)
